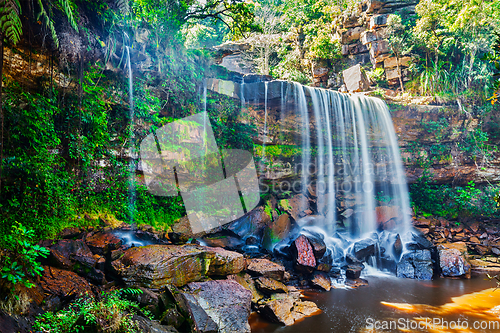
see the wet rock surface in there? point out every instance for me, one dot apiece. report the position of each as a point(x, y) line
point(266, 268)
point(303, 253)
point(416, 265)
point(156, 266)
point(453, 260)
point(218, 306)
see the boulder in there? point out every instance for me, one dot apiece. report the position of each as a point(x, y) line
point(70, 248)
point(270, 286)
point(453, 260)
point(416, 265)
point(218, 306)
point(297, 206)
point(321, 280)
point(355, 48)
point(146, 325)
point(252, 223)
point(397, 247)
point(279, 310)
point(156, 266)
point(303, 253)
point(391, 74)
point(266, 268)
point(393, 62)
point(316, 241)
point(103, 243)
point(287, 310)
point(281, 227)
point(225, 262)
point(356, 283)
point(146, 299)
point(224, 241)
point(247, 282)
point(355, 79)
point(353, 271)
point(58, 260)
point(364, 248)
point(63, 284)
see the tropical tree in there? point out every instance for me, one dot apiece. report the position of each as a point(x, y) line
point(400, 41)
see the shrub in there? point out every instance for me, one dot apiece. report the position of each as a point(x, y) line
point(110, 314)
point(19, 264)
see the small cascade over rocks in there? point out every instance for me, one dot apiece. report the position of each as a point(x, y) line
point(331, 161)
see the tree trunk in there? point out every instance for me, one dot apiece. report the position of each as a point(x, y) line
point(400, 75)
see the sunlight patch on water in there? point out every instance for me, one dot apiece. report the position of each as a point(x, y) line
point(482, 307)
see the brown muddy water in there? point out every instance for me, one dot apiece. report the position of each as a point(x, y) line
point(391, 304)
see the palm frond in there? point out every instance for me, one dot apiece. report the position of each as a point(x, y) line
point(10, 22)
point(49, 24)
point(66, 5)
point(123, 6)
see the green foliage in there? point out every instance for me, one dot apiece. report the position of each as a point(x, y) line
point(19, 264)
point(460, 32)
point(10, 21)
point(67, 6)
point(475, 145)
point(451, 202)
point(111, 313)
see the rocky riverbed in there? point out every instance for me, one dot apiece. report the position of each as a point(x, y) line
point(215, 287)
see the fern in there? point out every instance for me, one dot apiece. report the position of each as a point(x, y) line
point(123, 6)
point(131, 291)
point(10, 22)
point(48, 23)
point(66, 5)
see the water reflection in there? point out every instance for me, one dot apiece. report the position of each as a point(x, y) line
point(409, 301)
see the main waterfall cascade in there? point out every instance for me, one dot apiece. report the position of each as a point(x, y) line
point(349, 154)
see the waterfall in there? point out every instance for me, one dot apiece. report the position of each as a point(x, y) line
point(264, 140)
point(349, 155)
point(131, 182)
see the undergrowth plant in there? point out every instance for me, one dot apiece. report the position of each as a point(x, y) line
point(19, 265)
point(110, 313)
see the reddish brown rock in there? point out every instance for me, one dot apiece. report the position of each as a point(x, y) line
point(63, 284)
point(270, 286)
point(223, 241)
point(475, 227)
point(156, 266)
point(225, 262)
point(303, 254)
point(385, 213)
point(322, 281)
point(453, 260)
point(58, 260)
point(266, 268)
point(356, 283)
point(353, 272)
point(103, 243)
point(247, 282)
point(281, 227)
point(474, 240)
point(279, 311)
point(297, 206)
point(71, 232)
point(422, 222)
